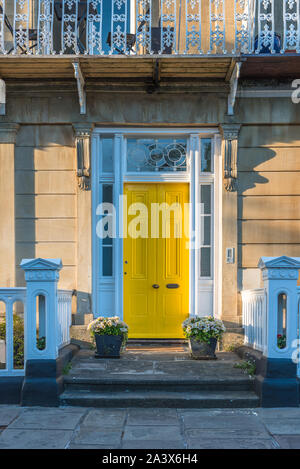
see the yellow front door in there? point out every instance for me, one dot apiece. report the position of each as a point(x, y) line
point(156, 260)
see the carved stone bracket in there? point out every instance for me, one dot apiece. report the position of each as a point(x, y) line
point(83, 150)
point(230, 134)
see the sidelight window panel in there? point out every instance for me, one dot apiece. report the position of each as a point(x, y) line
point(206, 220)
point(206, 155)
point(107, 240)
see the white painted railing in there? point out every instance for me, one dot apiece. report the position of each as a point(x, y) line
point(64, 317)
point(145, 27)
point(271, 315)
point(9, 296)
point(254, 318)
point(58, 319)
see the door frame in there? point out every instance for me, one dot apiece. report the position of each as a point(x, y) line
point(112, 289)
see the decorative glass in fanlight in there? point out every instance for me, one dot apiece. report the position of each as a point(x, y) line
point(156, 155)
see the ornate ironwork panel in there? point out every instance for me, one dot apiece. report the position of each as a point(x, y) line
point(21, 26)
point(119, 27)
point(217, 26)
point(143, 26)
point(193, 26)
point(69, 27)
point(291, 20)
point(45, 27)
point(266, 35)
point(94, 27)
point(2, 24)
point(244, 20)
point(168, 30)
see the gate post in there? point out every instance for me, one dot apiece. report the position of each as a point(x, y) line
point(41, 386)
point(276, 380)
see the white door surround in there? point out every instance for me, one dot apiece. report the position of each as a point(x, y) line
point(107, 287)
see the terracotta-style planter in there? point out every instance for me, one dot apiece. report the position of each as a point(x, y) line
point(108, 346)
point(203, 350)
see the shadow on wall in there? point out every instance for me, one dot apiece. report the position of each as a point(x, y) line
point(250, 159)
point(248, 176)
point(25, 209)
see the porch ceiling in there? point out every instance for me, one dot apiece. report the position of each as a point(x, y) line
point(159, 68)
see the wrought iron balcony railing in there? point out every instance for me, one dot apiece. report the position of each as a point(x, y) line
point(149, 27)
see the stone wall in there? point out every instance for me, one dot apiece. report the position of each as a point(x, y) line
point(45, 198)
point(269, 196)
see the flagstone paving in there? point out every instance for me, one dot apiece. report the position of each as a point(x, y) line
point(157, 428)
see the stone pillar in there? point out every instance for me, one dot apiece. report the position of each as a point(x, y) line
point(276, 375)
point(230, 134)
point(8, 133)
point(84, 217)
point(41, 385)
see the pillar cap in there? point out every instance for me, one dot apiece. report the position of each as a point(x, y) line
point(279, 268)
point(282, 262)
point(41, 264)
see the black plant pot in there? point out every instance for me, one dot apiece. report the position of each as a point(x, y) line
point(108, 346)
point(203, 350)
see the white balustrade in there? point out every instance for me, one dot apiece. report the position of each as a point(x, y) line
point(64, 317)
point(147, 27)
point(254, 318)
point(55, 315)
point(9, 296)
point(271, 315)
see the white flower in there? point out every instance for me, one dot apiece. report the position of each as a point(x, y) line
point(102, 323)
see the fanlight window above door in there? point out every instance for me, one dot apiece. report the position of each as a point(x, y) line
point(163, 155)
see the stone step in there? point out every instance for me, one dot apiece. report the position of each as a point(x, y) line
point(143, 384)
point(167, 399)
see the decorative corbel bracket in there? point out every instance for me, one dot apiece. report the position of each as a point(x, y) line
point(234, 80)
point(83, 150)
point(80, 87)
point(230, 133)
point(2, 98)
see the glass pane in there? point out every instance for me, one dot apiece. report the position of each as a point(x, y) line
point(2, 336)
point(107, 193)
point(108, 240)
point(107, 261)
point(206, 221)
point(206, 160)
point(205, 270)
point(156, 155)
point(205, 199)
point(18, 328)
point(107, 155)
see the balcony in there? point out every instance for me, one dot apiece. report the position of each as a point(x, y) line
point(145, 38)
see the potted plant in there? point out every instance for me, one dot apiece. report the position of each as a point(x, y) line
point(203, 334)
point(110, 335)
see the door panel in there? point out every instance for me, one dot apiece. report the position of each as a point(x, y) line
point(164, 261)
point(173, 271)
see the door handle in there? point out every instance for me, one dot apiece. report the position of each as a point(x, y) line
point(155, 286)
point(172, 285)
